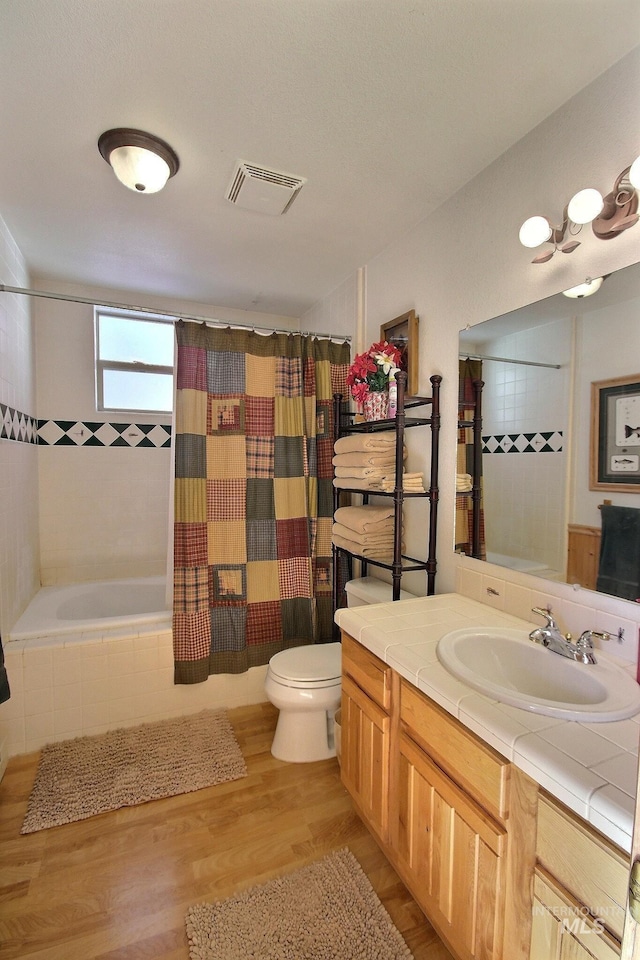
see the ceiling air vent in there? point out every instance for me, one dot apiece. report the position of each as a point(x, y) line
point(266, 191)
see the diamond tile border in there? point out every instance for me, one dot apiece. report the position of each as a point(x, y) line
point(89, 433)
point(541, 441)
point(15, 425)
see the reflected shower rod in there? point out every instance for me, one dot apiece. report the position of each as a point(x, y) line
point(526, 363)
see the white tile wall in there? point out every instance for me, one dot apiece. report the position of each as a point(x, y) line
point(104, 512)
point(63, 690)
point(523, 399)
point(18, 461)
point(575, 609)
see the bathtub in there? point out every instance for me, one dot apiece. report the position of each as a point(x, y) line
point(95, 608)
point(515, 563)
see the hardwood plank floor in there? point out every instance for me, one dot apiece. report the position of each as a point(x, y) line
point(117, 886)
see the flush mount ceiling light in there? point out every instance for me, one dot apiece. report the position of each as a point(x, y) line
point(585, 289)
point(609, 216)
point(139, 160)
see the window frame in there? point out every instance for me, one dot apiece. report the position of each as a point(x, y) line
point(135, 366)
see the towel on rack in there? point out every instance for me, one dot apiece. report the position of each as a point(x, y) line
point(353, 483)
point(411, 483)
point(366, 458)
point(365, 519)
point(359, 442)
point(362, 473)
point(383, 539)
point(370, 552)
point(619, 566)
point(464, 483)
point(5, 692)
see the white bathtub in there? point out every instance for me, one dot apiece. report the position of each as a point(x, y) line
point(515, 563)
point(96, 608)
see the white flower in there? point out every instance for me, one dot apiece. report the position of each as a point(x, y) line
point(386, 362)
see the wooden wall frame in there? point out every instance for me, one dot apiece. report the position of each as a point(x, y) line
point(402, 332)
point(615, 435)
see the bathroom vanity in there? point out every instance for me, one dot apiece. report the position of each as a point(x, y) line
point(510, 859)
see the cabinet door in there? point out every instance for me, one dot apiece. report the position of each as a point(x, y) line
point(563, 930)
point(452, 853)
point(365, 756)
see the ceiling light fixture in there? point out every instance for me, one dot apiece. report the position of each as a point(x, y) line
point(586, 289)
point(139, 160)
point(609, 216)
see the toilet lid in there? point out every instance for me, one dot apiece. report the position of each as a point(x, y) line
point(318, 661)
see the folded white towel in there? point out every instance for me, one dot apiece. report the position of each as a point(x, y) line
point(367, 518)
point(374, 552)
point(382, 539)
point(358, 442)
point(370, 458)
point(374, 473)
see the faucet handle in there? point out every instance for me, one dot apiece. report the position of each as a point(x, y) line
point(551, 624)
point(586, 638)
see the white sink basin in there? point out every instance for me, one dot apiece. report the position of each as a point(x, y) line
point(505, 665)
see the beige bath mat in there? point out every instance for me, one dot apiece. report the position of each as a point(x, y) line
point(327, 910)
point(79, 778)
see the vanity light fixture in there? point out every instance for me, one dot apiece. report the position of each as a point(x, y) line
point(586, 289)
point(139, 160)
point(609, 216)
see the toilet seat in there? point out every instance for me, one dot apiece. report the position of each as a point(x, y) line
point(310, 667)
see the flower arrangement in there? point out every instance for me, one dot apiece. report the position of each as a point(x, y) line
point(370, 372)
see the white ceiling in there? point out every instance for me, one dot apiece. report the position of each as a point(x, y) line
point(386, 107)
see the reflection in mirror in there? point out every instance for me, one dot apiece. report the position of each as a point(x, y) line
point(537, 363)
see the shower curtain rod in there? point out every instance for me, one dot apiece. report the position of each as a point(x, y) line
point(5, 288)
point(526, 363)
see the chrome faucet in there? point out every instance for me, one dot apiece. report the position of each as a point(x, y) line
point(550, 636)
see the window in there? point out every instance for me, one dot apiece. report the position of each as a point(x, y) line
point(134, 362)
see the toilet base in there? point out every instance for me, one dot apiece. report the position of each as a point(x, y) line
point(303, 736)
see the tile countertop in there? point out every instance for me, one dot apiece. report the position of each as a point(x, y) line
point(590, 767)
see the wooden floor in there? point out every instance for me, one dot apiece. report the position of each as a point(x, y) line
point(117, 886)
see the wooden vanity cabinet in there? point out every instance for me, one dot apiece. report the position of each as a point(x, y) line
point(580, 888)
point(455, 819)
point(451, 855)
point(366, 723)
point(563, 929)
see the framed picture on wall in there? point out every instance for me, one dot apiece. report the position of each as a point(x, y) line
point(615, 435)
point(403, 334)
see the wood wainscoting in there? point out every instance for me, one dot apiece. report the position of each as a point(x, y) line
point(583, 555)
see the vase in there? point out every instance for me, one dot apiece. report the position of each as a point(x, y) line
point(375, 405)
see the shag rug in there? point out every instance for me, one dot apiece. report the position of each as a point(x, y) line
point(327, 910)
point(79, 778)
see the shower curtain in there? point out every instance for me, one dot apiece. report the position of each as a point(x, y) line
point(253, 496)
point(469, 370)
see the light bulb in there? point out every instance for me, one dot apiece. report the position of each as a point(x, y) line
point(634, 173)
point(584, 289)
point(585, 206)
point(534, 231)
point(139, 169)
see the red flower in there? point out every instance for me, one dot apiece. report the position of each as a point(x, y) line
point(367, 372)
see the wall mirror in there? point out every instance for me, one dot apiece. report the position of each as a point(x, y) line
point(538, 363)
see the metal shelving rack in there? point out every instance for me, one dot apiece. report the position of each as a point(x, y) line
point(344, 424)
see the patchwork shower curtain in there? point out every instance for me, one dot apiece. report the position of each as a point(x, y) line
point(253, 496)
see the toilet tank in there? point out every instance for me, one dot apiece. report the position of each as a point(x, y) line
point(367, 590)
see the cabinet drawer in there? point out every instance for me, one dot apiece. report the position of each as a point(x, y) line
point(563, 930)
point(591, 868)
point(370, 673)
point(467, 760)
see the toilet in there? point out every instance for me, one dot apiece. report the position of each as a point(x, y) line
point(304, 683)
